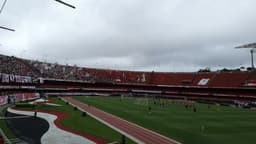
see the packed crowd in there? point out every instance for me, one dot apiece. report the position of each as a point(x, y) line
point(16, 66)
point(36, 69)
point(57, 71)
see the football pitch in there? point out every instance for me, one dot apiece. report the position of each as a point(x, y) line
point(196, 123)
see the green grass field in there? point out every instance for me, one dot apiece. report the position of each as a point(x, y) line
point(208, 125)
point(81, 123)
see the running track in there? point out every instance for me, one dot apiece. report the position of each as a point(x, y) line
point(133, 131)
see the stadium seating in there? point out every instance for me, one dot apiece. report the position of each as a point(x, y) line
point(229, 79)
point(199, 77)
point(16, 66)
point(251, 80)
point(35, 69)
point(172, 78)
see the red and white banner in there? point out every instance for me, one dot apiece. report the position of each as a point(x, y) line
point(3, 100)
point(18, 97)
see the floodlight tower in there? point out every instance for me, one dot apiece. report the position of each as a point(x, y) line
point(252, 47)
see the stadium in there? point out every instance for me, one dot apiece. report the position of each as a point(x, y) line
point(47, 102)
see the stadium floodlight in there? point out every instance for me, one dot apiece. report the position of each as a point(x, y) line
point(3, 5)
point(252, 46)
point(66, 4)
point(5, 28)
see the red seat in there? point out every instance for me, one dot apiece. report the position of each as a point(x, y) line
point(229, 79)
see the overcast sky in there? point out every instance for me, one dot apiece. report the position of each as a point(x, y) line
point(159, 35)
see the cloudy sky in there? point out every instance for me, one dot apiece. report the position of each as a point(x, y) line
point(159, 35)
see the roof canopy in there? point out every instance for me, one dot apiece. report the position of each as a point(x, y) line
point(251, 45)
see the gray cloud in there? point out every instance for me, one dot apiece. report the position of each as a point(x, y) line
point(164, 35)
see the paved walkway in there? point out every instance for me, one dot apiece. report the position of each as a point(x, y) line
point(133, 131)
point(54, 134)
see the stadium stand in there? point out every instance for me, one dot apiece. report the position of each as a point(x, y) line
point(229, 79)
point(251, 80)
point(22, 75)
point(21, 67)
point(202, 79)
point(172, 78)
point(15, 66)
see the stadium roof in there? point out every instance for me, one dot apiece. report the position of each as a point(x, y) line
point(251, 45)
point(67, 4)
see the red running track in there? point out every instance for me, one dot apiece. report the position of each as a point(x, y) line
point(133, 131)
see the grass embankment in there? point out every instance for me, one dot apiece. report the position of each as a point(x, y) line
point(3, 124)
point(211, 125)
point(85, 124)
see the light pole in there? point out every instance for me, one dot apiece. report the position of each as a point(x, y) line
point(252, 47)
point(251, 51)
